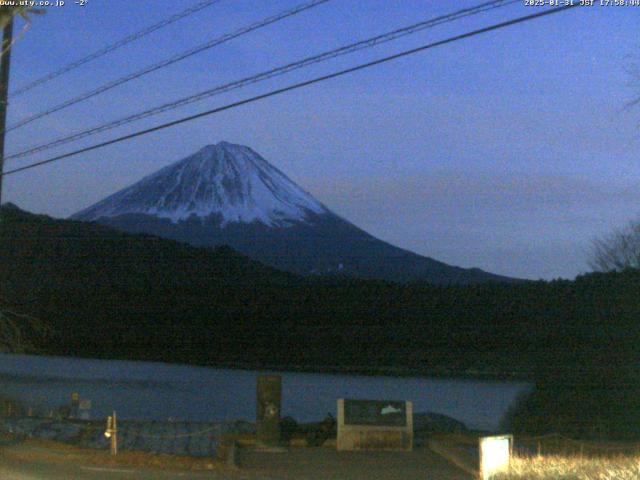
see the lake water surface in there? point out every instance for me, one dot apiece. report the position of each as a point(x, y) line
point(157, 391)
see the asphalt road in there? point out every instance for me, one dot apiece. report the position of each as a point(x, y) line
point(17, 470)
point(295, 464)
point(327, 464)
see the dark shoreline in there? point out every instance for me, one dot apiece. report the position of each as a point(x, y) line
point(442, 373)
point(353, 370)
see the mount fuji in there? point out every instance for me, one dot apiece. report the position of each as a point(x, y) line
point(228, 194)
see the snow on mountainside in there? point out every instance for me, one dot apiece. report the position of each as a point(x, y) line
point(227, 181)
point(227, 194)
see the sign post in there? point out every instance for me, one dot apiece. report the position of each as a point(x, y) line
point(269, 400)
point(75, 404)
point(112, 433)
point(84, 409)
point(495, 455)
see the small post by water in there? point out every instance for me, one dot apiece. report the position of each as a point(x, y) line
point(269, 399)
point(114, 436)
point(112, 433)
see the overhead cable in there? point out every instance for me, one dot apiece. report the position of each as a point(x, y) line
point(169, 61)
point(296, 86)
point(114, 46)
point(354, 47)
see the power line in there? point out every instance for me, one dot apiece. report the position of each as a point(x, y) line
point(268, 74)
point(170, 61)
point(354, 47)
point(296, 86)
point(114, 46)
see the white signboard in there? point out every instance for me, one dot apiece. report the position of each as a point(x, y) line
point(495, 455)
point(374, 425)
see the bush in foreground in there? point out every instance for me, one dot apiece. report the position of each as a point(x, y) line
point(592, 403)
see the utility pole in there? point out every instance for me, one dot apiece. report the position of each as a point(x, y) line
point(5, 61)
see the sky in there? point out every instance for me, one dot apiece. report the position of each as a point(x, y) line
point(510, 151)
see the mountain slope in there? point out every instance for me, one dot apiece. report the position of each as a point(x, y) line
point(228, 194)
point(227, 181)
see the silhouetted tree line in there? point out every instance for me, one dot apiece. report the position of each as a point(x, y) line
point(111, 295)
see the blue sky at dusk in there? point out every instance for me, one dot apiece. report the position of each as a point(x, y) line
point(508, 151)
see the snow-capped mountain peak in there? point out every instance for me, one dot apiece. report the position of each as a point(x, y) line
point(226, 181)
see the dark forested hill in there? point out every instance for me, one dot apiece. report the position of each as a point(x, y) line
point(109, 294)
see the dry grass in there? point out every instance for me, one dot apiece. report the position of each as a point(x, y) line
point(573, 468)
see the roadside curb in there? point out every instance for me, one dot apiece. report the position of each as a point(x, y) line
point(453, 456)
